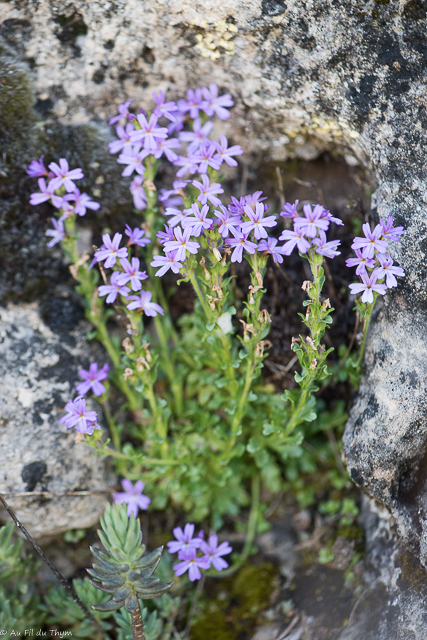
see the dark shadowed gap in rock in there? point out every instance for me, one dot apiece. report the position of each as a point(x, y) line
point(33, 473)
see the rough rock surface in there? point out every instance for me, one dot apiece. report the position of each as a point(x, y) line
point(38, 373)
point(344, 75)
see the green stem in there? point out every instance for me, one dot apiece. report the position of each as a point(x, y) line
point(251, 530)
point(365, 333)
point(150, 462)
point(199, 294)
point(237, 419)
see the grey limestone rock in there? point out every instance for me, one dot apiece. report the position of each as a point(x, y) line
point(38, 373)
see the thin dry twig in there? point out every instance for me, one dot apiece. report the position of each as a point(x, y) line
point(289, 628)
point(281, 190)
point(54, 494)
point(52, 567)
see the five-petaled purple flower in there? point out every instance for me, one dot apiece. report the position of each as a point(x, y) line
point(208, 191)
point(113, 289)
point(226, 153)
point(111, 250)
point(388, 270)
point(240, 242)
point(136, 236)
point(390, 233)
point(192, 563)
point(166, 262)
point(213, 552)
point(46, 193)
point(149, 132)
point(131, 274)
point(312, 221)
point(57, 233)
point(325, 248)
point(124, 140)
point(368, 286)
point(360, 262)
point(198, 221)
point(215, 104)
point(257, 222)
point(92, 379)
point(78, 416)
point(143, 303)
point(371, 241)
point(81, 202)
point(270, 246)
point(163, 108)
point(123, 111)
point(133, 497)
point(184, 539)
point(182, 243)
point(197, 136)
point(294, 239)
point(226, 221)
point(138, 193)
point(36, 168)
point(64, 177)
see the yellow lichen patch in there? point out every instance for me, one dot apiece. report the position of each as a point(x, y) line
point(216, 38)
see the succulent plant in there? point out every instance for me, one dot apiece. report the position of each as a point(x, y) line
point(122, 569)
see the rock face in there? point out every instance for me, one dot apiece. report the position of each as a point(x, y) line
point(343, 75)
point(38, 370)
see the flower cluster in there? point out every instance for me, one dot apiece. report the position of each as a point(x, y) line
point(61, 192)
point(309, 232)
point(78, 416)
point(373, 264)
point(143, 139)
point(188, 547)
point(239, 227)
point(132, 496)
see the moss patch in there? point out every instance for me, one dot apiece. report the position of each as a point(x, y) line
point(232, 607)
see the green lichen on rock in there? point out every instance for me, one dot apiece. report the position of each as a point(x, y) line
point(233, 607)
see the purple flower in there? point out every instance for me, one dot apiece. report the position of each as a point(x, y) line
point(208, 191)
point(192, 564)
point(213, 552)
point(123, 112)
point(81, 202)
point(226, 221)
point(294, 238)
point(198, 136)
point(290, 210)
point(312, 221)
point(133, 157)
point(192, 104)
point(182, 243)
point(328, 215)
point(64, 176)
point(205, 157)
point(198, 221)
point(113, 289)
point(143, 303)
point(132, 274)
point(269, 245)
point(47, 193)
point(225, 153)
point(78, 416)
point(111, 250)
point(240, 242)
point(93, 379)
point(149, 132)
point(324, 248)
point(238, 206)
point(166, 262)
point(371, 241)
point(177, 215)
point(257, 222)
point(138, 193)
point(124, 140)
point(390, 233)
point(360, 262)
point(387, 270)
point(368, 285)
point(180, 118)
point(57, 234)
point(136, 236)
point(214, 104)
point(133, 497)
point(163, 108)
point(36, 168)
point(166, 235)
point(184, 539)
point(187, 163)
point(253, 198)
point(165, 147)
